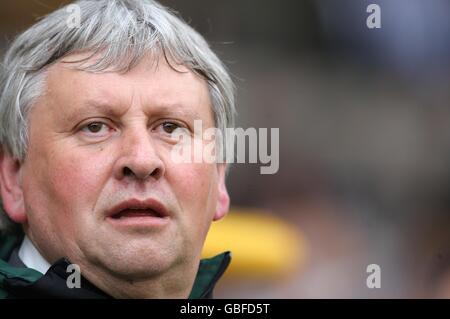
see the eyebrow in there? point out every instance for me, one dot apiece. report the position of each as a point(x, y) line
point(95, 106)
point(116, 111)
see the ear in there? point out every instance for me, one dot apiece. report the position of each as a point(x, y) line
point(11, 188)
point(223, 200)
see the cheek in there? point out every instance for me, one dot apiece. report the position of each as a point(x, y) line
point(80, 178)
point(66, 180)
point(71, 181)
point(195, 186)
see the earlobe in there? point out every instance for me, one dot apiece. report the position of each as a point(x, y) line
point(223, 200)
point(11, 189)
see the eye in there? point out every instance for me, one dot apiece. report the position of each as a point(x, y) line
point(169, 127)
point(172, 130)
point(96, 129)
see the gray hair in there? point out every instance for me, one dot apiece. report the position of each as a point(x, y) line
point(121, 32)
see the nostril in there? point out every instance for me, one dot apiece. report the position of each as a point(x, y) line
point(127, 171)
point(155, 173)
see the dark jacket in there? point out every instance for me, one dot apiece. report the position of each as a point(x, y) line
point(18, 281)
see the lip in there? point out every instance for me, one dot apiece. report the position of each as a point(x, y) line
point(160, 214)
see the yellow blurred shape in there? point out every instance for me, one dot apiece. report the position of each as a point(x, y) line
point(261, 244)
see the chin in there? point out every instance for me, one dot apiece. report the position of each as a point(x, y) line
point(137, 271)
point(135, 261)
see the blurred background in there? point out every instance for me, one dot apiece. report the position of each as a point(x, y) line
point(364, 119)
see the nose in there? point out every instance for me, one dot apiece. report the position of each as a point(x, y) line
point(139, 159)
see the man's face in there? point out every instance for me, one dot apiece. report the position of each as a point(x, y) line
point(99, 185)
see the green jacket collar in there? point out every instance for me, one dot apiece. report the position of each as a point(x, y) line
point(209, 272)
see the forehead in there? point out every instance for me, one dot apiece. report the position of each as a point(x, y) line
point(150, 84)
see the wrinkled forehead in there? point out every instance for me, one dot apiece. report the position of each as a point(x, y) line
point(154, 82)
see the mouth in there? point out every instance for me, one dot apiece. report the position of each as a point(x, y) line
point(135, 212)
